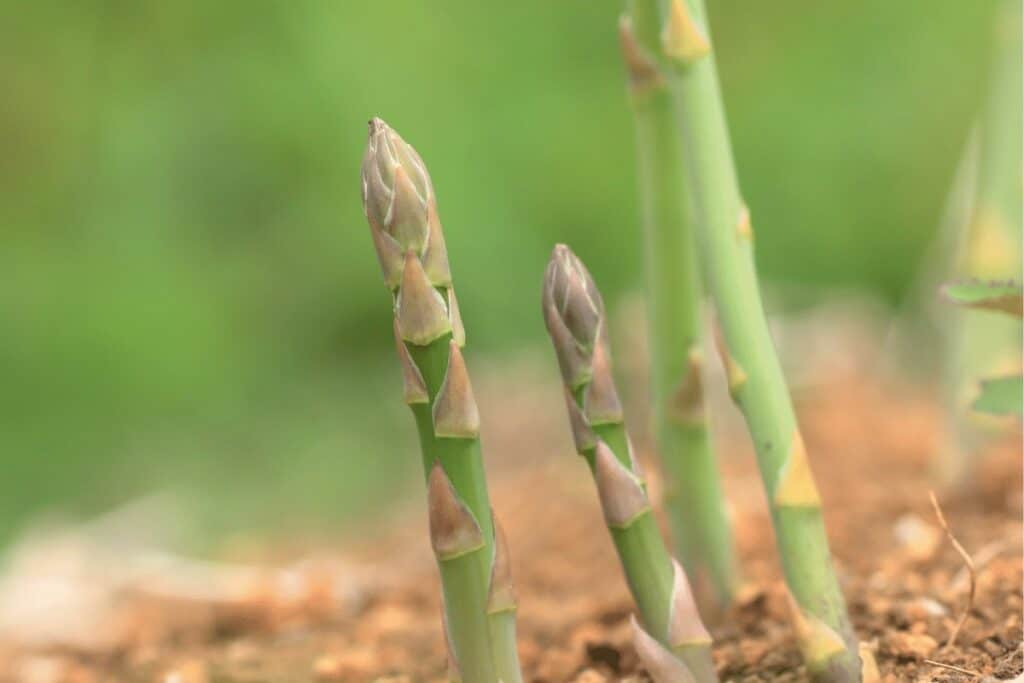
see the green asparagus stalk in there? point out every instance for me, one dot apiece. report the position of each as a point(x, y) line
point(976, 344)
point(400, 206)
point(995, 236)
point(693, 493)
point(575, 319)
point(725, 247)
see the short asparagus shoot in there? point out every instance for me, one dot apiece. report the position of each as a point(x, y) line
point(725, 249)
point(672, 643)
point(479, 603)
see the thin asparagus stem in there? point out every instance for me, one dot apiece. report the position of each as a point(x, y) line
point(693, 493)
point(724, 238)
point(574, 315)
point(402, 212)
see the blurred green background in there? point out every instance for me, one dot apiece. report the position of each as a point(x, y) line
point(190, 299)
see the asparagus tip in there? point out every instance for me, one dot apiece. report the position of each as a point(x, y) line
point(455, 412)
point(623, 499)
point(396, 187)
point(682, 39)
point(796, 487)
point(685, 627)
point(453, 530)
point(662, 665)
point(573, 314)
point(569, 288)
point(422, 315)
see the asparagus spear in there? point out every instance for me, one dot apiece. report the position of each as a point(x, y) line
point(574, 315)
point(400, 206)
point(693, 492)
point(724, 239)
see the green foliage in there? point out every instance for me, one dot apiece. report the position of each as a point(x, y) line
point(1001, 396)
point(1005, 297)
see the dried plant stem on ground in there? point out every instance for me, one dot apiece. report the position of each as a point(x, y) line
point(968, 562)
point(673, 642)
point(693, 492)
point(725, 241)
point(479, 603)
point(952, 668)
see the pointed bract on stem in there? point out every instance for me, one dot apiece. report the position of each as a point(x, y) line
point(796, 487)
point(623, 498)
point(420, 309)
point(735, 375)
point(572, 362)
point(458, 331)
point(686, 404)
point(817, 641)
point(582, 434)
point(661, 664)
point(601, 403)
point(685, 627)
point(455, 413)
point(682, 39)
point(643, 72)
point(453, 530)
point(502, 594)
point(414, 389)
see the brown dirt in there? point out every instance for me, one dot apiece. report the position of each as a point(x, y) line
point(372, 611)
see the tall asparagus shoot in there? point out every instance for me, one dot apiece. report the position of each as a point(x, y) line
point(672, 633)
point(479, 603)
point(693, 493)
point(725, 246)
point(977, 344)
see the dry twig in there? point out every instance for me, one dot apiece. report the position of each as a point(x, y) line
point(953, 668)
point(972, 573)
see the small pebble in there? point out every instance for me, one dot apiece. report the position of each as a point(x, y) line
point(911, 645)
point(328, 668)
point(590, 676)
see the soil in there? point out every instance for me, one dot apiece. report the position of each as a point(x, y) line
point(370, 611)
